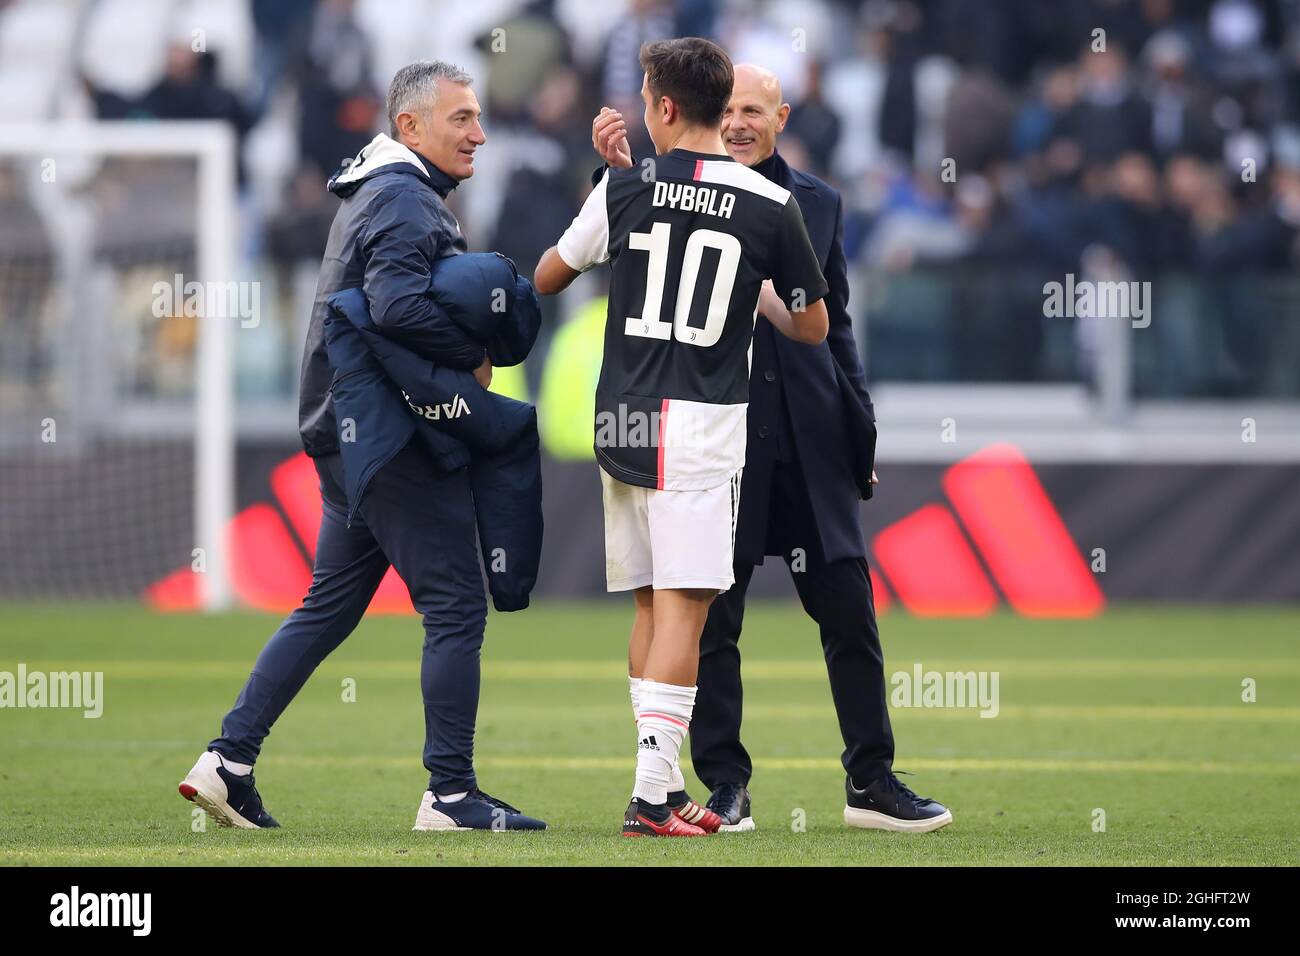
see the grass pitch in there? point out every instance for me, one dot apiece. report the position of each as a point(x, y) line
point(1138, 714)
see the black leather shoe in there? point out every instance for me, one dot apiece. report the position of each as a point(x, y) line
point(731, 802)
point(886, 804)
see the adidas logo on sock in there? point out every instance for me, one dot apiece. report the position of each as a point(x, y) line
point(649, 743)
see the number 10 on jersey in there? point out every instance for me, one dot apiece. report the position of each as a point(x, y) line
point(651, 324)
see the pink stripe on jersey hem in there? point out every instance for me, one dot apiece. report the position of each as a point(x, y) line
point(663, 428)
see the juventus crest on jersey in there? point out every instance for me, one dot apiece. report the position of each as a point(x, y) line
point(691, 237)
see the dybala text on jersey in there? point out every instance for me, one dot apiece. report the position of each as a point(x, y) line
point(688, 198)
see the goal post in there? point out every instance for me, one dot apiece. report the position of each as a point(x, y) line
point(54, 167)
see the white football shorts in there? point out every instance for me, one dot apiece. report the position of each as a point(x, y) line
point(669, 539)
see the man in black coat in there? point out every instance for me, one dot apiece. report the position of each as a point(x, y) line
point(811, 443)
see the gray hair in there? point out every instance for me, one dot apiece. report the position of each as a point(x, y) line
point(415, 88)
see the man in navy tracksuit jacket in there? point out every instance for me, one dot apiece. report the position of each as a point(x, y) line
point(417, 513)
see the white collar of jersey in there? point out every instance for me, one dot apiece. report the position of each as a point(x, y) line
point(707, 157)
point(383, 150)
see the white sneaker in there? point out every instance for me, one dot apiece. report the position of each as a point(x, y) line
point(228, 798)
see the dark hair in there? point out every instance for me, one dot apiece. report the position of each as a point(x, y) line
point(694, 73)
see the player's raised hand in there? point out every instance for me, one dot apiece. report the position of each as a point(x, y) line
point(609, 138)
point(771, 306)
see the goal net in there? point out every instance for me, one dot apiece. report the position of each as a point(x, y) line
point(116, 446)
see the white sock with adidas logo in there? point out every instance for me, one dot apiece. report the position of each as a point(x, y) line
point(677, 781)
point(662, 721)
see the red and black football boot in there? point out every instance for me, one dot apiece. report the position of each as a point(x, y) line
point(681, 804)
point(647, 820)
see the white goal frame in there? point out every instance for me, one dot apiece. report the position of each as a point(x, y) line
point(212, 146)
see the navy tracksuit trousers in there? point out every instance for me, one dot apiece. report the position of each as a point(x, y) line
point(423, 524)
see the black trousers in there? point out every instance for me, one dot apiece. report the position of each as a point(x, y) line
point(835, 594)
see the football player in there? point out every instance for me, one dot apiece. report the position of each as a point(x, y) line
point(693, 239)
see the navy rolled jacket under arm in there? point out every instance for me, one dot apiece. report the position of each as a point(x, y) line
point(391, 394)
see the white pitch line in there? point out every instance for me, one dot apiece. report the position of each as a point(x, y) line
point(767, 669)
point(830, 764)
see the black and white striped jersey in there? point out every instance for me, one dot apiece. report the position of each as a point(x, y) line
point(690, 238)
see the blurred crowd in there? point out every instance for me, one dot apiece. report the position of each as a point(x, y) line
point(1164, 130)
point(1158, 136)
point(1163, 133)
